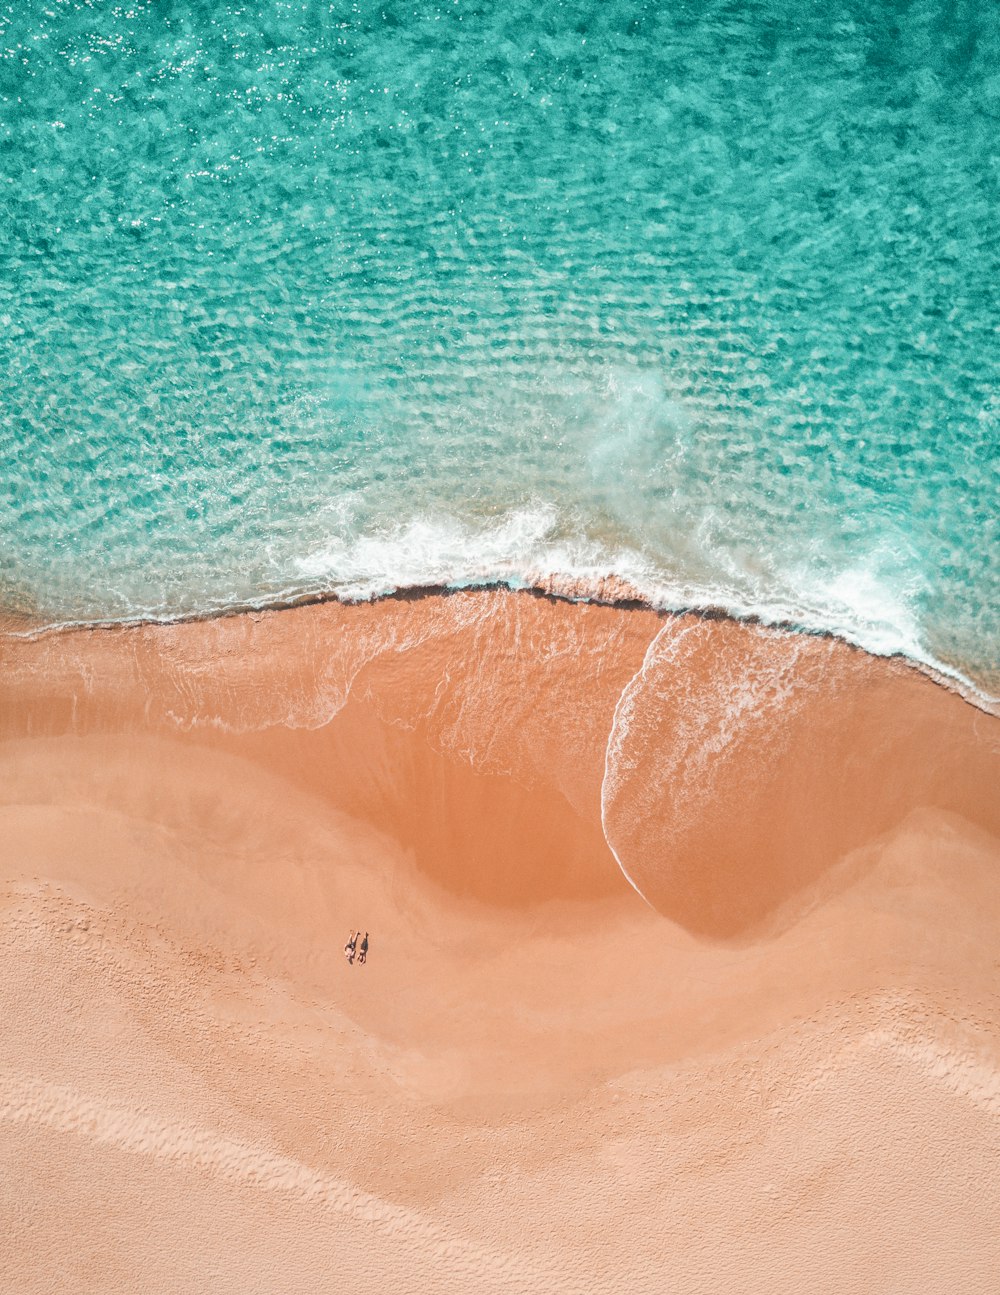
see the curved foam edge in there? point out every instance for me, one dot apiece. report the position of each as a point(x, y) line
point(607, 589)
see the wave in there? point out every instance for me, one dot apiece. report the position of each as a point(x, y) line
point(534, 549)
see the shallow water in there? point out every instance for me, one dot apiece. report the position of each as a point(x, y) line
point(295, 299)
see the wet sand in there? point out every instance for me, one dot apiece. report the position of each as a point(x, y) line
point(770, 1063)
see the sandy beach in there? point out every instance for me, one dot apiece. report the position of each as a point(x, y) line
point(683, 970)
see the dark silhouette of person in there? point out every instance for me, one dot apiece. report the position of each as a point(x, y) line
point(350, 946)
point(363, 955)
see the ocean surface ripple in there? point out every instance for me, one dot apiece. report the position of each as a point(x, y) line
point(300, 298)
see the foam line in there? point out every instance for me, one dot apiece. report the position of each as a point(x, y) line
point(619, 729)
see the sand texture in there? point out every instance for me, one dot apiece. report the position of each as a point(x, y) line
point(684, 969)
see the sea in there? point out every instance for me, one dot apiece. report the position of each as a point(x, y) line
point(303, 299)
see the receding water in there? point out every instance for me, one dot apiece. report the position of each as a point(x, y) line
point(302, 296)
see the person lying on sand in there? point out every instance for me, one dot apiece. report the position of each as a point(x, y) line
point(350, 946)
point(364, 949)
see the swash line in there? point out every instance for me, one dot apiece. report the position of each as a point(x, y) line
point(625, 693)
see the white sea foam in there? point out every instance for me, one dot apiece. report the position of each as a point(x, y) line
point(522, 548)
point(868, 605)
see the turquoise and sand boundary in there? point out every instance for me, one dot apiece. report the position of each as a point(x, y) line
point(682, 886)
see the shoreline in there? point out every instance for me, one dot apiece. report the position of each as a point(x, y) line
point(610, 591)
point(707, 705)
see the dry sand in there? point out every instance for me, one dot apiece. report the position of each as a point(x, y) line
point(781, 1073)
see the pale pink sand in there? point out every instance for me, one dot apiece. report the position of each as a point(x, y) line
point(785, 1076)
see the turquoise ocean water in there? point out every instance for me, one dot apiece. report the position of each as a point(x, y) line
point(302, 296)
